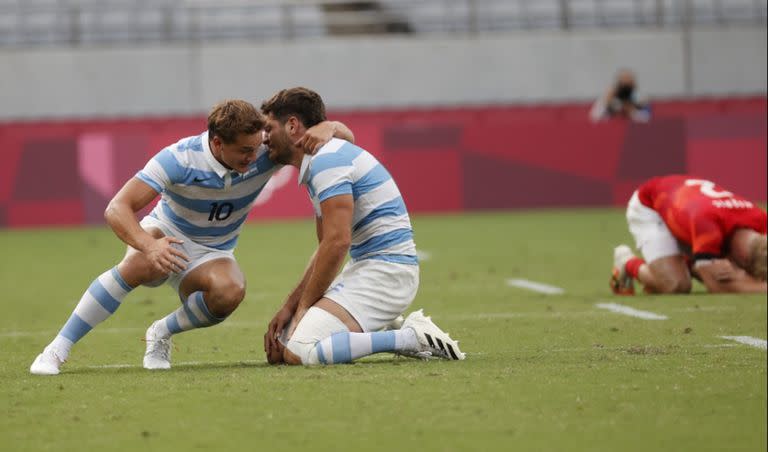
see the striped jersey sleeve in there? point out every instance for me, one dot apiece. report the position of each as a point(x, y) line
point(162, 170)
point(331, 175)
point(381, 227)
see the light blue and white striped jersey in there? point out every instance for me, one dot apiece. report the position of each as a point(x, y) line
point(381, 228)
point(200, 197)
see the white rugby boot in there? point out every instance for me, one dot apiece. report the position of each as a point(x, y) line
point(47, 363)
point(158, 354)
point(432, 341)
point(621, 282)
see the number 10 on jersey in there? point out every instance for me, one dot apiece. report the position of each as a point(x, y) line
point(220, 211)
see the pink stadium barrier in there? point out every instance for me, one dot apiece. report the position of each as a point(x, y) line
point(443, 159)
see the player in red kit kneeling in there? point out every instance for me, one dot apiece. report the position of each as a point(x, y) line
point(692, 227)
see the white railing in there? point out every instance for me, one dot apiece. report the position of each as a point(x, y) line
point(77, 22)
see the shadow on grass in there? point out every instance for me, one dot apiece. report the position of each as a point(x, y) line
point(119, 369)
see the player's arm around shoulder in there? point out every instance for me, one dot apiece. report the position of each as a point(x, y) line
point(723, 276)
point(318, 135)
point(342, 131)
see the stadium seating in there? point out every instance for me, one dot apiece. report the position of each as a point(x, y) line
point(42, 22)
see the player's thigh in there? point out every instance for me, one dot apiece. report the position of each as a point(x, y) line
point(219, 276)
point(671, 273)
point(340, 313)
point(652, 236)
point(375, 292)
point(136, 269)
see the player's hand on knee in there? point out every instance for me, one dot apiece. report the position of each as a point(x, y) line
point(165, 257)
point(275, 329)
point(274, 352)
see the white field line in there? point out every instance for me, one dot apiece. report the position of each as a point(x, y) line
point(561, 314)
point(748, 340)
point(461, 317)
point(626, 310)
point(523, 315)
point(181, 364)
point(619, 349)
point(14, 334)
point(247, 325)
point(535, 286)
point(423, 255)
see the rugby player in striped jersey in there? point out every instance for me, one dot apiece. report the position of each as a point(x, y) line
point(335, 315)
point(208, 184)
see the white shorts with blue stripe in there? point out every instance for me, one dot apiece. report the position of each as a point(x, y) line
point(198, 254)
point(374, 291)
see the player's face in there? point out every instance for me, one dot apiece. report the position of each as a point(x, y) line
point(239, 154)
point(277, 140)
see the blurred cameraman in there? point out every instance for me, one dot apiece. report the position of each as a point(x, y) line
point(619, 101)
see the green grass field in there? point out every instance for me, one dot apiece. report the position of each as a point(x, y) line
point(543, 372)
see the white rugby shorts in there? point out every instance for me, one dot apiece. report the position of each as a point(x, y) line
point(375, 292)
point(198, 254)
point(652, 236)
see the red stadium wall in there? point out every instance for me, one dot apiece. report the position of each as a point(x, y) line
point(444, 160)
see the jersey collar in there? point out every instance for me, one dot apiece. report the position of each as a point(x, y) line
point(334, 145)
point(304, 170)
point(220, 169)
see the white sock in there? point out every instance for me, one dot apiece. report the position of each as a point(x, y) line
point(100, 301)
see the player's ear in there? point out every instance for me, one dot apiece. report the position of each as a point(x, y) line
point(216, 142)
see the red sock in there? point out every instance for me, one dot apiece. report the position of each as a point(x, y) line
point(633, 266)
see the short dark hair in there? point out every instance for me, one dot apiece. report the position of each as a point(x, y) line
point(233, 117)
point(301, 102)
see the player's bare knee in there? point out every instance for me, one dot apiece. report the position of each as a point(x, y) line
point(290, 358)
point(684, 286)
point(226, 297)
point(233, 293)
point(679, 286)
point(673, 286)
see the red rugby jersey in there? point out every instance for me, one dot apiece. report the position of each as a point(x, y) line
point(700, 213)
